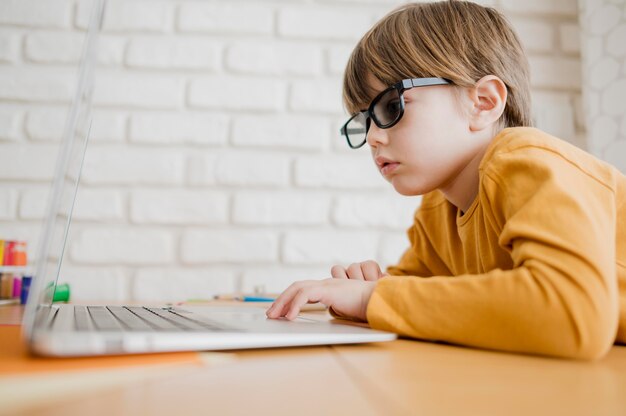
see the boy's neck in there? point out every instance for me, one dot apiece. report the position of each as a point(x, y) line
point(462, 190)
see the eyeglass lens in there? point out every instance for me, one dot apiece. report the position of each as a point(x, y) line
point(356, 130)
point(388, 107)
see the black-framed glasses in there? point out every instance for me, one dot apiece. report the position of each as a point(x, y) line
point(385, 110)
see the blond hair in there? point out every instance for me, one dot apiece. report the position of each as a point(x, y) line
point(457, 40)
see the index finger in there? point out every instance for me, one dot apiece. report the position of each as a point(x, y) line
point(306, 294)
point(284, 299)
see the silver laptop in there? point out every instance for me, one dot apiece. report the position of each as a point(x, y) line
point(72, 330)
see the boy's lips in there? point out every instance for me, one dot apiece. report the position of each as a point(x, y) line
point(385, 165)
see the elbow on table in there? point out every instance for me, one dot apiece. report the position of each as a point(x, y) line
point(595, 349)
point(593, 333)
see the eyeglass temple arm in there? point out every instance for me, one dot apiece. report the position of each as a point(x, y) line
point(423, 82)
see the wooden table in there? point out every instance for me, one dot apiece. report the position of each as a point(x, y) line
point(403, 377)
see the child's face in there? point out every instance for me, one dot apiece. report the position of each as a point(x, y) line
point(430, 145)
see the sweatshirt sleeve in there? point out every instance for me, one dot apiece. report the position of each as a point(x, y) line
point(560, 298)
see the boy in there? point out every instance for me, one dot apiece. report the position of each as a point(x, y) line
point(520, 241)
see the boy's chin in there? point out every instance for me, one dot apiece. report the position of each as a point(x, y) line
point(405, 190)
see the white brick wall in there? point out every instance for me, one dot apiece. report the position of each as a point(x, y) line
point(275, 279)
point(553, 111)
point(65, 48)
point(171, 128)
point(8, 204)
point(36, 13)
point(176, 53)
point(47, 124)
point(10, 120)
point(392, 245)
point(122, 166)
point(570, 37)
point(230, 93)
point(315, 96)
point(110, 284)
point(282, 131)
point(339, 172)
point(27, 162)
point(338, 58)
point(374, 211)
point(303, 247)
point(248, 18)
point(130, 15)
point(179, 284)
point(130, 89)
point(539, 35)
point(123, 245)
point(338, 22)
point(274, 58)
point(550, 7)
point(178, 207)
point(52, 47)
point(98, 205)
point(555, 72)
point(603, 27)
point(215, 162)
point(261, 169)
point(281, 208)
point(9, 47)
point(232, 246)
point(35, 84)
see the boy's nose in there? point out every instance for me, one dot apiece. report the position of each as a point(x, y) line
point(376, 136)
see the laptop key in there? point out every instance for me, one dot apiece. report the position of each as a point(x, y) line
point(103, 319)
point(204, 322)
point(81, 318)
point(129, 320)
point(183, 321)
point(154, 320)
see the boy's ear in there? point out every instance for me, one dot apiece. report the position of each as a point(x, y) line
point(488, 97)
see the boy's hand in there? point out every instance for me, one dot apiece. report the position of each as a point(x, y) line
point(367, 270)
point(347, 297)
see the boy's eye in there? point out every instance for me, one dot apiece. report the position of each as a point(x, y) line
point(393, 107)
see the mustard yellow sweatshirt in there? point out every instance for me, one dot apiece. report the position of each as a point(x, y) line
point(536, 265)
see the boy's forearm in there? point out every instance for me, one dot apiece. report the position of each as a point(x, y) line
point(533, 309)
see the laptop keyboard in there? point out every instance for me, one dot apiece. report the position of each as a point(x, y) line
point(137, 318)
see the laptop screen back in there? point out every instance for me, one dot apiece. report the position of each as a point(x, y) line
point(67, 173)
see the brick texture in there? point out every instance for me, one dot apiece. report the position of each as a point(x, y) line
point(36, 13)
point(120, 245)
point(231, 246)
point(288, 208)
point(9, 47)
point(10, 121)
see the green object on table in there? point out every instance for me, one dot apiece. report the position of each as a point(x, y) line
point(62, 293)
